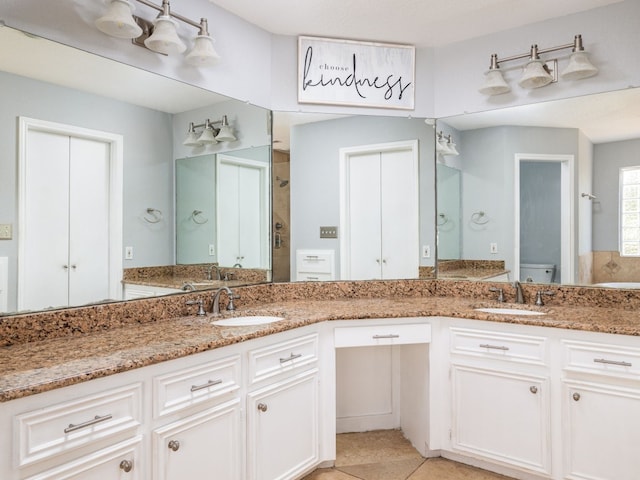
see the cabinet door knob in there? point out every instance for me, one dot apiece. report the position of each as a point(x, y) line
point(126, 465)
point(174, 445)
point(576, 396)
point(533, 389)
point(262, 407)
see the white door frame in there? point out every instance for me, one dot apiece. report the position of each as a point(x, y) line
point(345, 154)
point(116, 192)
point(567, 194)
point(262, 167)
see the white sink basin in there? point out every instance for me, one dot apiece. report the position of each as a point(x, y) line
point(509, 311)
point(246, 321)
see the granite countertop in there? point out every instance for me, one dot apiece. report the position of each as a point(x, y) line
point(38, 366)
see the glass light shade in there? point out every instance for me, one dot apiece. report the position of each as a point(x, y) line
point(191, 140)
point(202, 54)
point(579, 67)
point(494, 84)
point(164, 38)
point(207, 137)
point(118, 21)
point(225, 134)
point(443, 146)
point(452, 148)
point(534, 75)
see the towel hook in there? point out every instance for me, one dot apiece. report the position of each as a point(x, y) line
point(197, 217)
point(153, 215)
point(442, 219)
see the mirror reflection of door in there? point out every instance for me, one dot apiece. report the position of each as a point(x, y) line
point(242, 193)
point(67, 177)
point(379, 211)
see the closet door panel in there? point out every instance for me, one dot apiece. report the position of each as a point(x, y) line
point(88, 221)
point(250, 217)
point(364, 216)
point(399, 215)
point(46, 227)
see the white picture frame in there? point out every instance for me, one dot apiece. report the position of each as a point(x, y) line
point(349, 72)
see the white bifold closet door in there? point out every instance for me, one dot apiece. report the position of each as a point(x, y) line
point(382, 211)
point(66, 257)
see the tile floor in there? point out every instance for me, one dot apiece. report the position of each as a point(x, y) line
point(387, 455)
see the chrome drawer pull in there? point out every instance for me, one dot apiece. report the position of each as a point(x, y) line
point(313, 278)
point(291, 357)
point(494, 347)
point(88, 423)
point(210, 383)
point(611, 362)
point(390, 335)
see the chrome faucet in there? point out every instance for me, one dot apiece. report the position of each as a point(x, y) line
point(210, 272)
point(215, 308)
point(519, 295)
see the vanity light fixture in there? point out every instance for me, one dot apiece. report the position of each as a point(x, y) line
point(209, 135)
point(536, 72)
point(160, 35)
point(445, 145)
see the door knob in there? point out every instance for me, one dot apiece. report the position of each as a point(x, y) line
point(576, 396)
point(174, 445)
point(262, 407)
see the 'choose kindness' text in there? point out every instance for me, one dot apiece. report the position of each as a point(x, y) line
point(393, 85)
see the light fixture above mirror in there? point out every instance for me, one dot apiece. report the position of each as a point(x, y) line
point(445, 145)
point(161, 34)
point(209, 135)
point(537, 72)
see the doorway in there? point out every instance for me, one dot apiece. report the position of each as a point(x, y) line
point(544, 213)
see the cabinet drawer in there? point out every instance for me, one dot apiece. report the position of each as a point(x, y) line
point(123, 460)
point(190, 386)
point(282, 357)
point(313, 277)
point(390, 334)
point(315, 262)
point(497, 345)
point(602, 358)
point(69, 425)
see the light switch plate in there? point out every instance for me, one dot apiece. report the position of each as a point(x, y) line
point(328, 232)
point(128, 253)
point(5, 231)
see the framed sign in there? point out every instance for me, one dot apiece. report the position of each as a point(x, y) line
point(347, 72)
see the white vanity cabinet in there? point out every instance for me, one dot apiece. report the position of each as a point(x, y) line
point(79, 432)
point(283, 408)
point(601, 411)
point(198, 408)
point(132, 291)
point(500, 402)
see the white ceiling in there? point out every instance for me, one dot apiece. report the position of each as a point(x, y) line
point(416, 22)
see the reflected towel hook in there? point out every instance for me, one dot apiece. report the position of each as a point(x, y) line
point(589, 196)
point(442, 219)
point(153, 215)
point(197, 217)
point(477, 218)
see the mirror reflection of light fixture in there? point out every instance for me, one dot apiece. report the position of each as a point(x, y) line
point(226, 133)
point(537, 72)
point(160, 35)
point(209, 135)
point(445, 145)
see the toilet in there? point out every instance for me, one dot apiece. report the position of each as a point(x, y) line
point(537, 272)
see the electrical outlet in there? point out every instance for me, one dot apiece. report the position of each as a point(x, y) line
point(493, 247)
point(328, 232)
point(426, 251)
point(128, 253)
point(212, 249)
point(5, 231)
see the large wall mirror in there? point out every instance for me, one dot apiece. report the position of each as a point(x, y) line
point(343, 175)
point(53, 86)
point(535, 193)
